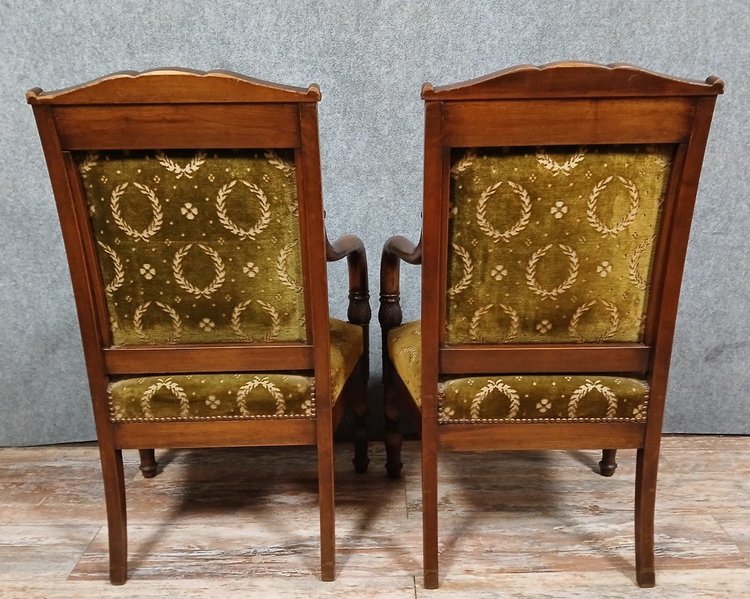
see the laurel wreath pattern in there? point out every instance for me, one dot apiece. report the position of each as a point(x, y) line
point(168, 310)
point(463, 163)
point(587, 388)
point(555, 167)
point(219, 271)
point(88, 162)
point(174, 388)
point(268, 308)
point(633, 206)
point(181, 171)
point(157, 214)
point(475, 319)
point(498, 385)
point(519, 226)
point(276, 161)
point(573, 266)
point(263, 382)
point(468, 271)
point(614, 320)
point(633, 262)
point(119, 277)
point(281, 268)
point(265, 210)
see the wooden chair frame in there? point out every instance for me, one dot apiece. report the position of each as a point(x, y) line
point(173, 109)
point(557, 104)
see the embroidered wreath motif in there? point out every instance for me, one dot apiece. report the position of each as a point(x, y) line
point(463, 163)
point(587, 388)
point(552, 165)
point(633, 206)
point(88, 163)
point(565, 285)
point(265, 210)
point(519, 226)
point(468, 271)
point(181, 171)
point(168, 310)
point(277, 162)
point(614, 321)
point(514, 322)
point(174, 388)
point(498, 385)
point(119, 277)
point(633, 262)
point(219, 271)
point(281, 269)
point(268, 308)
point(275, 392)
point(157, 219)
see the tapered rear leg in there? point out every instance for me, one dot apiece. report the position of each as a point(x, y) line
point(608, 465)
point(393, 435)
point(430, 517)
point(114, 493)
point(148, 463)
point(327, 513)
point(645, 500)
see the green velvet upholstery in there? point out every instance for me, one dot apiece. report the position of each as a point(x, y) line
point(197, 247)
point(553, 245)
point(234, 395)
point(519, 398)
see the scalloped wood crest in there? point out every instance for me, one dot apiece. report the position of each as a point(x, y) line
point(174, 86)
point(572, 80)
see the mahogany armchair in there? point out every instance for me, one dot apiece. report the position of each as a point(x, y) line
point(192, 217)
point(557, 208)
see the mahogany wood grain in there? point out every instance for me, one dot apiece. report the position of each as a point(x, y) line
point(181, 126)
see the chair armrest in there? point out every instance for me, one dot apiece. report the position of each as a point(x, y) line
point(395, 250)
point(352, 248)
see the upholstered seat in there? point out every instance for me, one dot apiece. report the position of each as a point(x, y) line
point(519, 398)
point(218, 396)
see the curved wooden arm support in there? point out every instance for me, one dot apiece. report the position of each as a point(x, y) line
point(395, 250)
point(352, 248)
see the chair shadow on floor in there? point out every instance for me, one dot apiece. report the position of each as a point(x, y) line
point(512, 493)
point(273, 493)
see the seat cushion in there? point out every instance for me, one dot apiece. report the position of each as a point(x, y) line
point(220, 396)
point(519, 398)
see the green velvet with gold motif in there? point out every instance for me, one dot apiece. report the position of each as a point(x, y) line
point(553, 245)
point(519, 398)
point(230, 396)
point(197, 247)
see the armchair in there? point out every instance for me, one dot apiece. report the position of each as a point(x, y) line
point(191, 210)
point(557, 208)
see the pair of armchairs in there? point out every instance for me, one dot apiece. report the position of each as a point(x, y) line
point(557, 207)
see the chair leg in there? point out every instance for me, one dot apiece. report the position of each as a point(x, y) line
point(608, 465)
point(430, 517)
point(645, 499)
point(327, 513)
point(393, 435)
point(361, 460)
point(148, 463)
point(114, 493)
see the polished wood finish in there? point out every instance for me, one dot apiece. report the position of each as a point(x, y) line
point(557, 104)
point(172, 109)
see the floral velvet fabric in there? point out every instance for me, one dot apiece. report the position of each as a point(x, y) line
point(230, 396)
point(197, 247)
point(519, 398)
point(553, 245)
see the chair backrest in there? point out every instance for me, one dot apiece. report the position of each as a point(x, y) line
point(192, 216)
point(557, 209)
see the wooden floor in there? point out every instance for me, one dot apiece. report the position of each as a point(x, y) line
point(245, 523)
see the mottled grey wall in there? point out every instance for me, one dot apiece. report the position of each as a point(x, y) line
point(369, 59)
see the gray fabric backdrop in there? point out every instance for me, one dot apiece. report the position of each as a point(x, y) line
point(369, 59)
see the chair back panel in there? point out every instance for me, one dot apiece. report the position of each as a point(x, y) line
point(197, 247)
point(553, 244)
